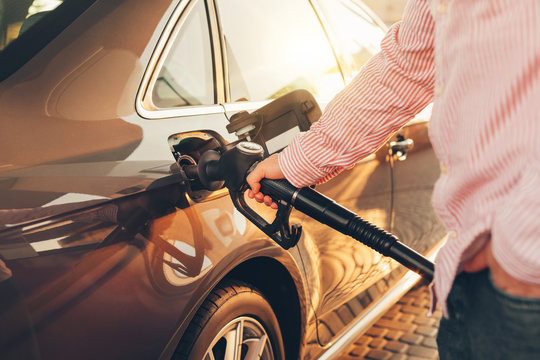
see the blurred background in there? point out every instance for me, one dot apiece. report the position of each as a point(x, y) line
point(389, 11)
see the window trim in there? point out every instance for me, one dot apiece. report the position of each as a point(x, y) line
point(331, 40)
point(143, 103)
point(345, 71)
point(220, 35)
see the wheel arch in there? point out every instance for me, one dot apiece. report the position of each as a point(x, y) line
point(275, 282)
point(278, 277)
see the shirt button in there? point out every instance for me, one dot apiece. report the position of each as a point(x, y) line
point(441, 8)
point(438, 90)
point(452, 234)
point(444, 168)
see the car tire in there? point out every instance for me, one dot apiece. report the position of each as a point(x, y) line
point(234, 318)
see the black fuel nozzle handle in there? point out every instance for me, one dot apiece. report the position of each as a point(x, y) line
point(279, 229)
point(328, 212)
point(236, 163)
point(229, 169)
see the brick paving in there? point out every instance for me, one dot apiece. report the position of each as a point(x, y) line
point(403, 333)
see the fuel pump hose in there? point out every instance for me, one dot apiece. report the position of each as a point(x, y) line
point(328, 212)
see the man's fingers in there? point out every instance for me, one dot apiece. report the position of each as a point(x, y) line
point(253, 179)
point(268, 200)
point(268, 168)
point(255, 187)
point(259, 197)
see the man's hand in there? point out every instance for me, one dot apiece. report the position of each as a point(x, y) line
point(484, 259)
point(269, 169)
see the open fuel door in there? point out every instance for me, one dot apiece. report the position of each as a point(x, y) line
point(274, 125)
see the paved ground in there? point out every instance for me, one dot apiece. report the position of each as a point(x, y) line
point(403, 333)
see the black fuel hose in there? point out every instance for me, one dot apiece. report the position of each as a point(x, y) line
point(328, 212)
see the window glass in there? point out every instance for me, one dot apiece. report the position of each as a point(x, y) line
point(358, 36)
point(187, 77)
point(274, 47)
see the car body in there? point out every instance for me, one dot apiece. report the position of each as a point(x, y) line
point(112, 253)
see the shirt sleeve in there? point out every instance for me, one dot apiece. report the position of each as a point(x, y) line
point(392, 87)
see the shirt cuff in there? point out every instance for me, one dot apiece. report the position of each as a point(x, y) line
point(297, 168)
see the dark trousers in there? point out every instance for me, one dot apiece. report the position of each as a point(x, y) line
point(488, 323)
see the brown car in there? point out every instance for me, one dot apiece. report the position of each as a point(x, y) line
point(108, 252)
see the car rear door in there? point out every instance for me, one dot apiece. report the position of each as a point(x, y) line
point(273, 48)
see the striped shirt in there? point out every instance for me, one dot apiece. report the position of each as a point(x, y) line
point(479, 63)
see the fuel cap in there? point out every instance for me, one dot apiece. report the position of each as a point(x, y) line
point(250, 148)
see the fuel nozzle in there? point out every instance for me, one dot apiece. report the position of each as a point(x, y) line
point(235, 163)
point(229, 169)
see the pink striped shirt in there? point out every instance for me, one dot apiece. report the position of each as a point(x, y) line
point(479, 62)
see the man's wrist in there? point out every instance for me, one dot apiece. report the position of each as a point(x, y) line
point(296, 167)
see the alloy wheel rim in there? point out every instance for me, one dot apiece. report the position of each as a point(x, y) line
point(244, 338)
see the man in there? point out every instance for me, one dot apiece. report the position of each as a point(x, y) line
point(479, 62)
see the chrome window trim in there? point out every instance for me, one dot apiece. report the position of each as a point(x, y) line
point(223, 47)
point(330, 37)
point(178, 112)
point(217, 52)
point(143, 101)
point(345, 71)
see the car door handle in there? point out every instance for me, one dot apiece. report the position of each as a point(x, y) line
point(399, 148)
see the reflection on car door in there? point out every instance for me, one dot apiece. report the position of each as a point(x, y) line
point(344, 267)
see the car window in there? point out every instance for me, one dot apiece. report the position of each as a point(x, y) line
point(187, 77)
point(357, 34)
point(274, 47)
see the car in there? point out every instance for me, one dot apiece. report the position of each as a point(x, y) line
point(108, 251)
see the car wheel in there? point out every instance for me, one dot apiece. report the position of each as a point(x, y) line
point(234, 322)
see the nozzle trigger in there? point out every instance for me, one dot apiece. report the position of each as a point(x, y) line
point(279, 230)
